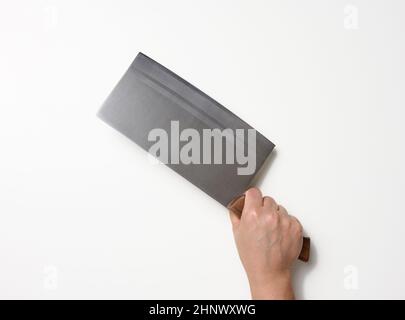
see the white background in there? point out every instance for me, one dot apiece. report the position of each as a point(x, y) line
point(83, 214)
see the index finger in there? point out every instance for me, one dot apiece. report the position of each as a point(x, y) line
point(253, 200)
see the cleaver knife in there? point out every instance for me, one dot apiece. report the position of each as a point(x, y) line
point(150, 96)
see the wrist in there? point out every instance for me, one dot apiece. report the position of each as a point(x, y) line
point(275, 286)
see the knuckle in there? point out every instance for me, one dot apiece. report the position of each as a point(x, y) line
point(269, 199)
point(297, 225)
point(287, 223)
point(275, 218)
point(269, 210)
point(251, 215)
point(268, 219)
point(282, 209)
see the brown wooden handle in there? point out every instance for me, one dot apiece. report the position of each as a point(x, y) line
point(237, 204)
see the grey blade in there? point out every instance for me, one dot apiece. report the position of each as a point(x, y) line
point(150, 96)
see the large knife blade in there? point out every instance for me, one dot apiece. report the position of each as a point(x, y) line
point(150, 96)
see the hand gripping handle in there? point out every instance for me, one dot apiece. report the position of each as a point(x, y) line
point(236, 206)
